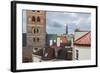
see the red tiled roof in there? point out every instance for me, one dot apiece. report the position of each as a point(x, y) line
point(84, 40)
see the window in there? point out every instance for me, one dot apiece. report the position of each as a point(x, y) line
point(33, 18)
point(33, 30)
point(38, 19)
point(38, 30)
point(37, 39)
point(38, 11)
point(77, 55)
point(33, 10)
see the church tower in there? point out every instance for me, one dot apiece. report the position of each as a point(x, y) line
point(36, 29)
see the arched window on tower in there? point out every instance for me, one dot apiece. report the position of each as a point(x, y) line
point(37, 29)
point(38, 11)
point(33, 18)
point(38, 19)
point(37, 39)
point(33, 10)
point(33, 30)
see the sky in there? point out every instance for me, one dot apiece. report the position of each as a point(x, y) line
point(56, 22)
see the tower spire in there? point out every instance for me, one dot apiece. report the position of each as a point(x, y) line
point(66, 28)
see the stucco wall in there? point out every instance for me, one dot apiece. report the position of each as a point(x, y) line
point(84, 53)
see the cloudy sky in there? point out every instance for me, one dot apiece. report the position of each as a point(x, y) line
point(56, 22)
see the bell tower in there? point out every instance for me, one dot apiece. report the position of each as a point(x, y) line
point(36, 29)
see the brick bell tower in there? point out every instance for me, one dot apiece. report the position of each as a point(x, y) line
point(36, 29)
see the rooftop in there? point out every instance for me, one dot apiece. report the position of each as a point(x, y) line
point(84, 40)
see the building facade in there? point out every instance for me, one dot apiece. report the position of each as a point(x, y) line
point(82, 44)
point(36, 29)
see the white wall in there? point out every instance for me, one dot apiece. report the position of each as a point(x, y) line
point(58, 41)
point(84, 53)
point(5, 37)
